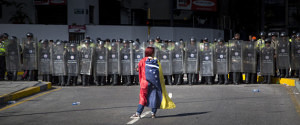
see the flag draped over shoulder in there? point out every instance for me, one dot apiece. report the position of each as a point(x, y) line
point(153, 90)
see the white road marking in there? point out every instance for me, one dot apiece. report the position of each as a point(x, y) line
point(136, 119)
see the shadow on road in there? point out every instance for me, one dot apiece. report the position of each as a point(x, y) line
point(183, 114)
point(77, 110)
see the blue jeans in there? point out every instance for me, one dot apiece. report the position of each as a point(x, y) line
point(141, 108)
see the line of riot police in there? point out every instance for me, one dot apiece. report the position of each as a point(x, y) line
point(105, 62)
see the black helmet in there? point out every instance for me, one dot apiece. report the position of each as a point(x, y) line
point(273, 34)
point(113, 40)
point(98, 38)
point(294, 32)
point(261, 34)
point(5, 35)
point(44, 41)
point(125, 41)
point(86, 41)
point(270, 34)
point(107, 40)
point(87, 37)
point(220, 40)
point(29, 34)
point(297, 34)
point(151, 40)
point(157, 37)
point(268, 40)
point(193, 39)
point(205, 39)
point(72, 45)
point(58, 42)
point(283, 34)
point(100, 42)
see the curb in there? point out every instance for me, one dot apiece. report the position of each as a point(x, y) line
point(40, 87)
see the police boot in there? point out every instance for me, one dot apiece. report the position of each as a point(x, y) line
point(253, 78)
point(265, 80)
point(169, 79)
point(137, 80)
point(247, 79)
point(61, 80)
point(83, 79)
point(194, 77)
point(235, 78)
point(115, 79)
point(189, 76)
point(220, 79)
point(29, 78)
point(281, 73)
point(88, 79)
point(14, 76)
point(102, 80)
point(209, 80)
point(179, 80)
point(128, 80)
point(75, 82)
point(287, 73)
point(269, 79)
point(176, 78)
point(226, 81)
point(68, 81)
point(97, 81)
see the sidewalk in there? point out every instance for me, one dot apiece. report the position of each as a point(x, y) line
point(14, 90)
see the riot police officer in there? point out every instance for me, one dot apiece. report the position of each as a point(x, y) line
point(44, 60)
point(86, 58)
point(283, 55)
point(221, 61)
point(30, 52)
point(191, 61)
point(267, 59)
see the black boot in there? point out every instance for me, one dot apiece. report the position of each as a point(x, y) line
point(176, 78)
point(209, 80)
point(68, 81)
point(235, 77)
point(61, 80)
point(269, 79)
point(169, 79)
point(15, 76)
point(247, 79)
point(83, 79)
point(97, 81)
point(128, 80)
point(281, 73)
point(253, 78)
point(189, 76)
point(75, 82)
point(220, 79)
point(226, 81)
point(287, 73)
point(115, 79)
point(179, 80)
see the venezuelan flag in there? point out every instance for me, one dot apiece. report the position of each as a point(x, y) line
point(153, 90)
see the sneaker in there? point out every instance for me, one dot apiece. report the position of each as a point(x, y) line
point(153, 116)
point(135, 116)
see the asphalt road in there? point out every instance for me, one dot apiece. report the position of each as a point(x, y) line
point(201, 104)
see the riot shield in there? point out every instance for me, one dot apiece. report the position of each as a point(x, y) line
point(12, 53)
point(58, 59)
point(295, 53)
point(30, 51)
point(249, 57)
point(206, 59)
point(114, 59)
point(72, 57)
point(165, 58)
point(138, 54)
point(177, 59)
point(267, 61)
point(86, 58)
point(126, 58)
point(221, 58)
point(235, 55)
point(44, 58)
point(191, 57)
point(283, 53)
point(100, 60)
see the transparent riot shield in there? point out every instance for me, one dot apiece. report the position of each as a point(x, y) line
point(177, 59)
point(12, 55)
point(126, 58)
point(206, 59)
point(191, 57)
point(44, 58)
point(283, 53)
point(295, 54)
point(58, 59)
point(30, 51)
point(249, 57)
point(267, 61)
point(165, 58)
point(138, 54)
point(221, 58)
point(235, 55)
point(86, 57)
point(72, 57)
point(100, 60)
point(114, 59)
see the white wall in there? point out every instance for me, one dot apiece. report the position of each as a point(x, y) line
point(40, 31)
point(112, 32)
